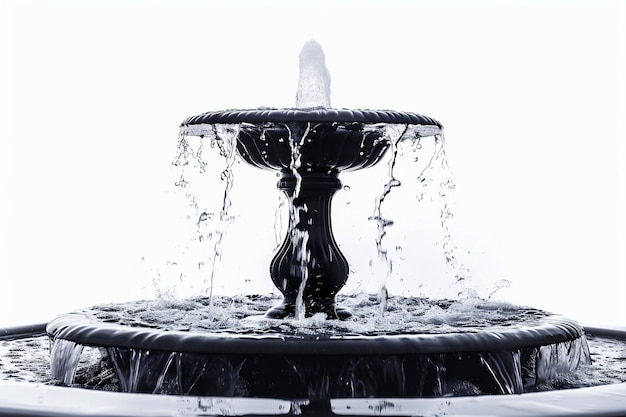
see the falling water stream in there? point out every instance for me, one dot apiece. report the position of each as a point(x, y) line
point(299, 235)
point(224, 138)
point(393, 133)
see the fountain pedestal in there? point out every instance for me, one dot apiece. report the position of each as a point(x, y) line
point(318, 270)
point(310, 147)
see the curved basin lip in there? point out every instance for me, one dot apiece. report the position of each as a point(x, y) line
point(313, 114)
point(22, 331)
point(81, 329)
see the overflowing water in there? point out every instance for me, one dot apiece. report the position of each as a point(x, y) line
point(353, 376)
point(67, 355)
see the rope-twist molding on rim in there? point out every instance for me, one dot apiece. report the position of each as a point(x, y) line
point(319, 115)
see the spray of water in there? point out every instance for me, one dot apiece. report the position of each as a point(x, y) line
point(210, 229)
point(437, 170)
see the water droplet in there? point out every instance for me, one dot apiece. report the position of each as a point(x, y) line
point(204, 216)
point(346, 188)
point(498, 285)
point(181, 182)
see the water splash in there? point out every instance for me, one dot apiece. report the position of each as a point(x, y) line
point(497, 286)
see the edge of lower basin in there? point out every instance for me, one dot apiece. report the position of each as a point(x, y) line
point(79, 328)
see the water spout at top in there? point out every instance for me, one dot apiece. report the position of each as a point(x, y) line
point(314, 82)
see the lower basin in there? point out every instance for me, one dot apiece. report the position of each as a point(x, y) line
point(291, 367)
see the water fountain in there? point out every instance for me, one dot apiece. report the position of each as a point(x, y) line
point(303, 354)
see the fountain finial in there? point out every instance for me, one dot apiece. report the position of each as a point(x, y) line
point(314, 82)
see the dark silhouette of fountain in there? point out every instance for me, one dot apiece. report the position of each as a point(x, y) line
point(310, 147)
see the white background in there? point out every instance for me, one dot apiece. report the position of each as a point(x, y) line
point(531, 94)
